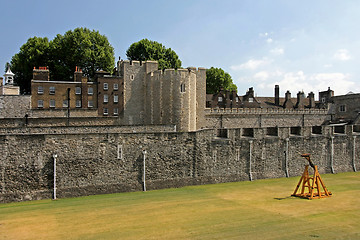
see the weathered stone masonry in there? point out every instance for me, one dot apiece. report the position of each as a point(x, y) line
point(103, 162)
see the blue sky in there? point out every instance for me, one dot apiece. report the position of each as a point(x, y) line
point(300, 45)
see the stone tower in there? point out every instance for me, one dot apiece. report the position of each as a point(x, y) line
point(169, 97)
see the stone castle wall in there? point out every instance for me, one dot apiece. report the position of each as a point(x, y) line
point(104, 161)
point(14, 106)
point(256, 117)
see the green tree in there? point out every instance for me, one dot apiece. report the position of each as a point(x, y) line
point(81, 47)
point(33, 53)
point(152, 50)
point(217, 78)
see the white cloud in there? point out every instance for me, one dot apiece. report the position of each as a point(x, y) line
point(342, 55)
point(263, 75)
point(263, 34)
point(269, 40)
point(252, 64)
point(277, 51)
point(299, 81)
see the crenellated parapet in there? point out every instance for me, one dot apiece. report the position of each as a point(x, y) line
point(279, 111)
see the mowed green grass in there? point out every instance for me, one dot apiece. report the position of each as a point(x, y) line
point(262, 209)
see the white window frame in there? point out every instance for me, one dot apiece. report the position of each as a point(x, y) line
point(52, 90)
point(106, 98)
point(116, 111)
point(116, 86)
point(90, 91)
point(40, 103)
point(65, 103)
point(106, 86)
point(251, 99)
point(90, 104)
point(106, 111)
point(78, 103)
point(52, 103)
point(220, 99)
point(78, 90)
point(40, 90)
point(116, 98)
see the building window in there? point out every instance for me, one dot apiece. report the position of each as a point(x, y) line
point(116, 86)
point(106, 111)
point(182, 87)
point(251, 99)
point(132, 77)
point(106, 86)
point(323, 99)
point(237, 99)
point(90, 104)
point(90, 91)
point(116, 98)
point(52, 103)
point(116, 111)
point(40, 90)
point(78, 90)
point(65, 103)
point(106, 98)
point(342, 108)
point(78, 103)
point(52, 90)
point(40, 103)
point(220, 99)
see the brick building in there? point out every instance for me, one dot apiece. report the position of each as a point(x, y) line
point(102, 95)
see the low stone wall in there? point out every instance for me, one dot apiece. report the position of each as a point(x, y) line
point(255, 118)
point(107, 162)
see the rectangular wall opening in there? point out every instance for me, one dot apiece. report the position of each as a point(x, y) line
point(248, 132)
point(356, 128)
point(316, 130)
point(339, 129)
point(295, 131)
point(272, 131)
point(222, 133)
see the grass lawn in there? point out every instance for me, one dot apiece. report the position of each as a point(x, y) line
point(262, 209)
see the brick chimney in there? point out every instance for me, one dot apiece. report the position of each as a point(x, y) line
point(288, 103)
point(311, 97)
point(277, 95)
point(78, 74)
point(300, 100)
point(41, 74)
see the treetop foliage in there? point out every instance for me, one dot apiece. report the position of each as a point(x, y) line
point(217, 78)
point(151, 50)
point(80, 47)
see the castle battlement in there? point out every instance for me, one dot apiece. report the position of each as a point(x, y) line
point(264, 111)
